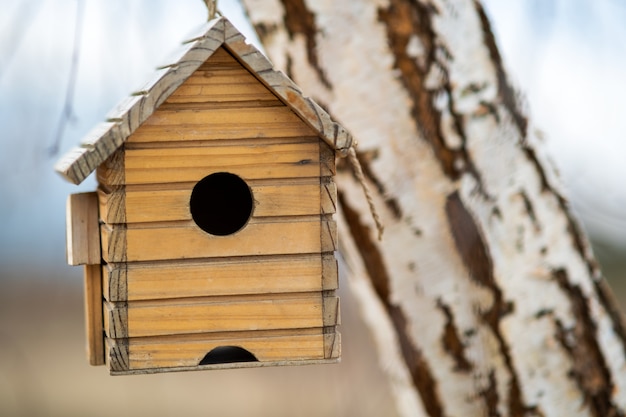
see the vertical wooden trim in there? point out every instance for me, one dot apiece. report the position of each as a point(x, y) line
point(114, 244)
point(113, 205)
point(329, 236)
point(115, 284)
point(328, 196)
point(327, 160)
point(116, 320)
point(330, 273)
point(117, 356)
point(83, 236)
point(93, 314)
point(111, 172)
point(331, 310)
point(332, 344)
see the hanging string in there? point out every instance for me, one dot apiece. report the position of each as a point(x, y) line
point(358, 172)
point(211, 5)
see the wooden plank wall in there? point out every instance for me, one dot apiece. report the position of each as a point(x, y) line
point(164, 276)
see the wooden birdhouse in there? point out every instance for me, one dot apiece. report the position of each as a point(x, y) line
point(210, 240)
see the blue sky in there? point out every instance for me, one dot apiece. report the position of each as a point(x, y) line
point(569, 56)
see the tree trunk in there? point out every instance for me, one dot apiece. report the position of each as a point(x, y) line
point(483, 296)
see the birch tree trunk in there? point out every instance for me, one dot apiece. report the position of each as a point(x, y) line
point(483, 296)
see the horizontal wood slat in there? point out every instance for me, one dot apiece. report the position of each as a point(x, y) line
point(138, 206)
point(149, 166)
point(184, 352)
point(175, 351)
point(220, 156)
point(221, 78)
point(258, 275)
point(120, 244)
point(229, 123)
point(225, 87)
point(184, 316)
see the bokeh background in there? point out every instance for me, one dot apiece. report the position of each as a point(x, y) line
point(65, 63)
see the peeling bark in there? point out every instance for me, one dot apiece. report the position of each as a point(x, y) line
point(484, 283)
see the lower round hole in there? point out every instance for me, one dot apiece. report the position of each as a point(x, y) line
point(221, 203)
point(227, 354)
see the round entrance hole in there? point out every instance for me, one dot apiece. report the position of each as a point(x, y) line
point(221, 203)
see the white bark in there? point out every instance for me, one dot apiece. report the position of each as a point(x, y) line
point(487, 298)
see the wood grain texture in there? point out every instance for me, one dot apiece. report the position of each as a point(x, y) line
point(270, 200)
point(188, 79)
point(222, 79)
point(116, 355)
point(221, 123)
point(331, 132)
point(94, 329)
point(289, 164)
point(327, 159)
point(188, 350)
point(124, 119)
point(217, 158)
point(214, 314)
point(111, 174)
point(95, 147)
point(136, 109)
point(190, 164)
point(185, 240)
point(82, 229)
point(257, 275)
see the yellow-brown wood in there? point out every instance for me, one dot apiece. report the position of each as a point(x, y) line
point(185, 240)
point(146, 116)
point(150, 204)
point(83, 237)
point(149, 166)
point(93, 315)
point(116, 355)
point(221, 79)
point(174, 292)
point(228, 123)
point(188, 350)
point(185, 350)
point(211, 314)
point(256, 275)
point(111, 172)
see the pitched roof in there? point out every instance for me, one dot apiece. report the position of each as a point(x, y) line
point(107, 137)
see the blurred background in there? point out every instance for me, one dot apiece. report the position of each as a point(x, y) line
point(567, 56)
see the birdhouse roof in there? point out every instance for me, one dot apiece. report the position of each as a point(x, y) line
point(107, 137)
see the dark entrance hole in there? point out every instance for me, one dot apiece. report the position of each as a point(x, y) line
point(227, 354)
point(221, 203)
